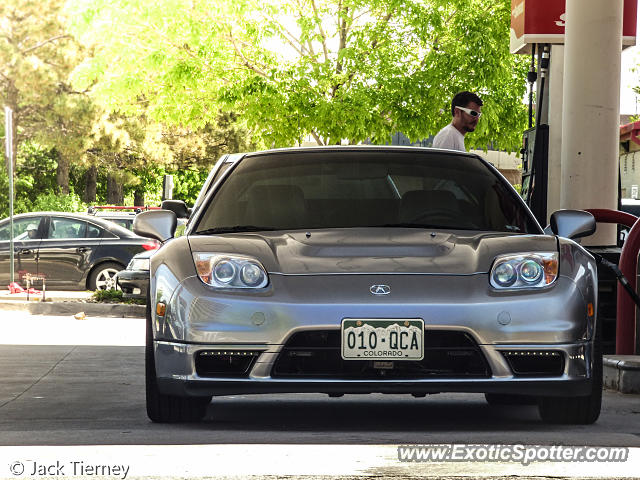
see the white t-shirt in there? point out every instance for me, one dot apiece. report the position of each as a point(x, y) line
point(449, 137)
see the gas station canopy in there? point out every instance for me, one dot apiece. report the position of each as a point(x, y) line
point(542, 21)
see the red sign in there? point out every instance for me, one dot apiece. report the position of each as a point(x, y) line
point(542, 21)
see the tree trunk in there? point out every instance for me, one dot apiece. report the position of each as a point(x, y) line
point(62, 174)
point(138, 197)
point(91, 184)
point(114, 191)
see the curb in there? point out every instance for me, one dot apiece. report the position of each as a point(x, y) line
point(120, 310)
point(622, 373)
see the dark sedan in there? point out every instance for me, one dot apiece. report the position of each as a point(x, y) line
point(71, 251)
point(134, 280)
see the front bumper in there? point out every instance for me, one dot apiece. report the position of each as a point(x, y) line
point(553, 320)
point(176, 374)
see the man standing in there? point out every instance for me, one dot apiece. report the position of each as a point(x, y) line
point(466, 111)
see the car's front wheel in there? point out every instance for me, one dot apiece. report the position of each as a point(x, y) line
point(577, 410)
point(163, 408)
point(103, 277)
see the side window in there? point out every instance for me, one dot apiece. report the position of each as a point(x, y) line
point(23, 229)
point(67, 228)
point(104, 233)
point(123, 222)
point(93, 231)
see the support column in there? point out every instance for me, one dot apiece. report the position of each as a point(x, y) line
point(591, 111)
point(555, 89)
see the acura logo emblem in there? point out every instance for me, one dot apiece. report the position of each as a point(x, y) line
point(380, 289)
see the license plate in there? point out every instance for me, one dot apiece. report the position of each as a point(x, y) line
point(388, 339)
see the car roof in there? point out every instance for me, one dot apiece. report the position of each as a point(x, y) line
point(352, 148)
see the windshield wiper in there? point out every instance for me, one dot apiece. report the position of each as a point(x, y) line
point(235, 229)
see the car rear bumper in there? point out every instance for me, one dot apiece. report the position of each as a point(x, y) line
point(133, 283)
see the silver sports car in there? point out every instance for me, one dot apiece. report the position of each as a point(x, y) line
point(370, 269)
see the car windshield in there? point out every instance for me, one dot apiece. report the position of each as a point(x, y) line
point(313, 190)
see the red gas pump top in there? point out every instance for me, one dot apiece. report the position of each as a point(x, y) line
point(542, 21)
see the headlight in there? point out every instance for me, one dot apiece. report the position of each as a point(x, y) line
point(138, 264)
point(524, 270)
point(230, 271)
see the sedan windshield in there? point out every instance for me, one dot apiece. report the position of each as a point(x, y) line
point(333, 189)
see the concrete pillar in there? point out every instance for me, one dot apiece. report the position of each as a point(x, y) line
point(555, 92)
point(591, 112)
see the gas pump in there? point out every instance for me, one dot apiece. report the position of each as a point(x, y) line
point(547, 159)
point(535, 144)
point(535, 180)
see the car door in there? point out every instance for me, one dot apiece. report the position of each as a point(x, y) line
point(66, 250)
point(27, 234)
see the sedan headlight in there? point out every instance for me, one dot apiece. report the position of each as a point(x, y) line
point(138, 264)
point(524, 270)
point(230, 271)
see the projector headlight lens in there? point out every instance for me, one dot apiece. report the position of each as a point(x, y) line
point(524, 270)
point(230, 271)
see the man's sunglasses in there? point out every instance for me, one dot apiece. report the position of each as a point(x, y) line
point(473, 113)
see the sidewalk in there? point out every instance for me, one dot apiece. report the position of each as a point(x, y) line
point(66, 303)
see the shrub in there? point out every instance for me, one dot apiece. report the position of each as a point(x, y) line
point(107, 296)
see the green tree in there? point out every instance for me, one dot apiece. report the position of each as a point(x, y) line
point(332, 69)
point(36, 56)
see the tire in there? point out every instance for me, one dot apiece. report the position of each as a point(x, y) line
point(103, 276)
point(500, 399)
point(578, 410)
point(163, 408)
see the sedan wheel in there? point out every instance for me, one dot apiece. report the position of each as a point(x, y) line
point(103, 276)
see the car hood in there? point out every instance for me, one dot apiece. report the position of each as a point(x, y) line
point(373, 250)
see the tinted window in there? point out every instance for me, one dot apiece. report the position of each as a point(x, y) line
point(360, 189)
point(66, 228)
point(60, 228)
point(23, 229)
point(93, 231)
point(123, 222)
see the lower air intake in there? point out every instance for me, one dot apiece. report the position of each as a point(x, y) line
point(538, 363)
point(225, 363)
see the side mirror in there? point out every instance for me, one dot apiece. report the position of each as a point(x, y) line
point(157, 224)
point(572, 223)
point(178, 207)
